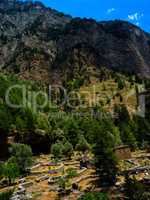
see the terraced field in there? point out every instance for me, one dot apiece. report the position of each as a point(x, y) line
point(107, 94)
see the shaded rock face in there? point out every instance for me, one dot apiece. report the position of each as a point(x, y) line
point(39, 43)
point(117, 45)
point(3, 145)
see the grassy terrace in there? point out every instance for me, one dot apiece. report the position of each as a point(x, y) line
point(107, 94)
point(39, 188)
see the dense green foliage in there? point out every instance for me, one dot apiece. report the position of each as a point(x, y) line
point(82, 144)
point(27, 121)
point(135, 190)
point(68, 149)
point(57, 150)
point(21, 155)
point(9, 171)
point(133, 132)
point(71, 173)
point(105, 159)
point(20, 159)
point(121, 83)
point(6, 195)
point(94, 196)
point(62, 149)
point(50, 124)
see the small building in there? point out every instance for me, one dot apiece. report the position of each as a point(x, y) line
point(123, 152)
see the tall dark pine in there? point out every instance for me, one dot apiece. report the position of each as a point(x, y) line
point(105, 163)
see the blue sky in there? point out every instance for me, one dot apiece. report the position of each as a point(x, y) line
point(135, 11)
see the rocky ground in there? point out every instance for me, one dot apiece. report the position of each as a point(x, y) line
point(42, 182)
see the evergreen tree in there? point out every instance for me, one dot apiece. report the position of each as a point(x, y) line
point(10, 172)
point(135, 190)
point(128, 137)
point(105, 159)
point(21, 155)
point(68, 149)
point(82, 144)
point(57, 150)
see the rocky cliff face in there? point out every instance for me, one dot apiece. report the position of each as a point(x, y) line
point(42, 44)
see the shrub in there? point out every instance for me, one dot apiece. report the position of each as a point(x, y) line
point(132, 186)
point(68, 149)
point(5, 119)
point(105, 159)
point(6, 195)
point(71, 172)
point(94, 196)
point(57, 150)
point(82, 145)
point(57, 134)
point(21, 154)
point(121, 84)
point(10, 172)
point(62, 183)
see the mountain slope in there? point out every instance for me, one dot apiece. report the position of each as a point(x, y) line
point(39, 43)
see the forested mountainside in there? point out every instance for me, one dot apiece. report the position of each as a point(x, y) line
point(39, 43)
point(74, 106)
point(46, 46)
